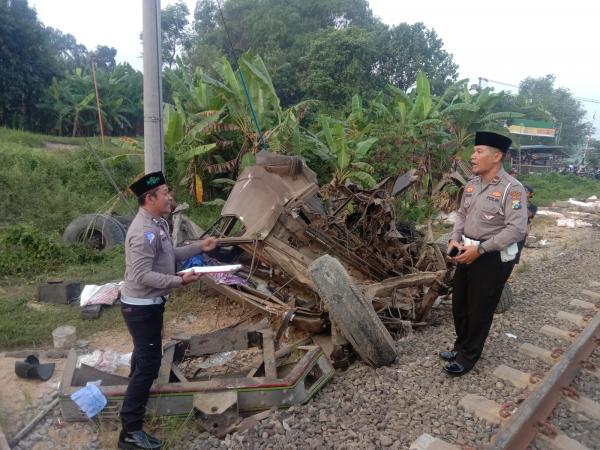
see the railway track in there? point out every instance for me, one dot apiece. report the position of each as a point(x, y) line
point(524, 423)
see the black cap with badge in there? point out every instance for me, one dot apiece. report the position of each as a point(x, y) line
point(491, 139)
point(147, 183)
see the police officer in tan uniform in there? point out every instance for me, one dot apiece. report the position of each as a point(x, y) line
point(492, 218)
point(150, 261)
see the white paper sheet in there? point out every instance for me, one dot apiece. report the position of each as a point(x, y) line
point(213, 269)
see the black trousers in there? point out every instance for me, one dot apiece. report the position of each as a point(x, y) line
point(145, 326)
point(476, 291)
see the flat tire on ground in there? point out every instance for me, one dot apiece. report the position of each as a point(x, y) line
point(352, 313)
point(506, 300)
point(125, 221)
point(99, 231)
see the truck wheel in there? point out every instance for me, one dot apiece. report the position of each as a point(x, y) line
point(352, 312)
point(98, 231)
point(125, 221)
point(506, 300)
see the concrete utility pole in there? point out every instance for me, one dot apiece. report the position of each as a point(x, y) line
point(153, 127)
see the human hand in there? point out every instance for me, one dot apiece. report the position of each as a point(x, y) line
point(189, 277)
point(208, 244)
point(469, 254)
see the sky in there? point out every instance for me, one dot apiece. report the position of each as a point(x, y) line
point(502, 41)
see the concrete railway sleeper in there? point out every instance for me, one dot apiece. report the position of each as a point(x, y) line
point(523, 422)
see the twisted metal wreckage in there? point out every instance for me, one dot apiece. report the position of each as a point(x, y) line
point(331, 262)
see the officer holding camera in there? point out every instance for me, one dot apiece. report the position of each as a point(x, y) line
point(492, 218)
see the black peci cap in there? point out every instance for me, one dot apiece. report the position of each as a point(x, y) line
point(147, 183)
point(491, 139)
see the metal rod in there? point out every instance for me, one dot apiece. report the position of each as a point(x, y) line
point(21, 434)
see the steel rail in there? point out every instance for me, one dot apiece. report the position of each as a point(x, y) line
point(521, 428)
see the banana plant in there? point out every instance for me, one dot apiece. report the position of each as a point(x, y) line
point(347, 155)
point(467, 113)
point(210, 125)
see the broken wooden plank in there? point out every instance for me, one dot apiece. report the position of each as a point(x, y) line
point(269, 354)
point(386, 287)
point(218, 341)
point(166, 364)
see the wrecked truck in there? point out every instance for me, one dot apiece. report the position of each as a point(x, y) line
point(332, 260)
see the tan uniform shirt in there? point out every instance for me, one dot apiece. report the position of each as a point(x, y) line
point(150, 258)
point(495, 213)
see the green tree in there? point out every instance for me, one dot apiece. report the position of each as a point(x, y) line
point(338, 64)
point(567, 112)
point(27, 64)
point(174, 23)
point(105, 57)
point(281, 32)
point(70, 102)
point(69, 53)
point(210, 125)
point(407, 49)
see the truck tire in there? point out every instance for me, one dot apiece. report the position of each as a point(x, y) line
point(125, 221)
point(99, 231)
point(352, 313)
point(506, 300)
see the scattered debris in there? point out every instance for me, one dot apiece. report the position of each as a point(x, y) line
point(90, 312)
point(104, 360)
point(282, 378)
point(32, 369)
point(23, 432)
point(277, 222)
point(106, 294)
point(90, 399)
point(59, 292)
point(64, 337)
point(572, 223)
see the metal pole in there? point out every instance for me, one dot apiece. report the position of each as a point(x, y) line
point(98, 102)
point(153, 127)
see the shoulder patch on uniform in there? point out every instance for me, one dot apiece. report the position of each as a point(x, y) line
point(515, 195)
point(149, 236)
point(516, 203)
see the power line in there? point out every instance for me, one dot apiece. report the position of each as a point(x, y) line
point(582, 99)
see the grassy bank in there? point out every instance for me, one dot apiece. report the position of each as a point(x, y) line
point(552, 187)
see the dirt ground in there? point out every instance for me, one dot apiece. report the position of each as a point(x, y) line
point(21, 399)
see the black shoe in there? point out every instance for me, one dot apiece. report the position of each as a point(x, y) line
point(449, 355)
point(456, 369)
point(138, 440)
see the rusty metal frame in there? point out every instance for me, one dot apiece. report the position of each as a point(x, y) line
point(177, 398)
point(521, 429)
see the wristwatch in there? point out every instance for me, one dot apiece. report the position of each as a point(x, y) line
point(480, 249)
